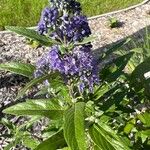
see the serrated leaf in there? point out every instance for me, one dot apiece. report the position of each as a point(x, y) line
point(26, 70)
point(32, 34)
point(74, 131)
point(105, 138)
point(40, 107)
point(54, 142)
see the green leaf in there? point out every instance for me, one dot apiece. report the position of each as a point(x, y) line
point(144, 118)
point(40, 107)
point(120, 63)
point(54, 142)
point(7, 123)
point(144, 135)
point(86, 40)
point(10, 146)
point(140, 77)
point(115, 47)
point(31, 84)
point(101, 90)
point(97, 148)
point(26, 70)
point(74, 131)
point(66, 148)
point(32, 34)
point(30, 142)
point(129, 126)
point(30, 123)
point(42, 91)
point(105, 138)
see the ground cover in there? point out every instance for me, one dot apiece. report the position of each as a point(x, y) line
point(27, 12)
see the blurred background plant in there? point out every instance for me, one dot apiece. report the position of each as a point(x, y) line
point(114, 22)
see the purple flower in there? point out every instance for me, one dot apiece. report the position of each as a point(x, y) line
point(48, 19)
point(79, 64)
point(65, 21)
point(75, 28)
point(72, 6)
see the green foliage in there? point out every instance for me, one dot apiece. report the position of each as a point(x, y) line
point(144, 118)
point(113, 22)
point(54, 142)
point(31, 84)
point(74, 128)
point(19, 135)
point(86, 40)
point(32, 34)
point(115, 116)
point(73, 122)
point(105, 138)
point(29, 141)
point(116, 47)
point(43, 107)
point(141, 76)
point(26, 70)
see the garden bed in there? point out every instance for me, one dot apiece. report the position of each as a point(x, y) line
point(15, 48)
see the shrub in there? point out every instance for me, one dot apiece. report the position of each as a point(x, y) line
point(90, 104)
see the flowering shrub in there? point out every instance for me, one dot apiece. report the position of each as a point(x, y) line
point(87, 108)
point(64, 22)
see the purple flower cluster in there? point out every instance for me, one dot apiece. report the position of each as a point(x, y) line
point(48, 19)
point(72, 6)
point(77, 64)
point(75, 28)
point(63, 22)
point(60, 25)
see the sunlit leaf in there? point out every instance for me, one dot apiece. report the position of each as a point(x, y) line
point(129, 126)
point(32, 34)
point(30, 142)
point(74, 131)
point(40, 107)
point(26, 70)
point(105, 138)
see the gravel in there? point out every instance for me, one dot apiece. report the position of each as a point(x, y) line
point(132, 22)
point(15, 48)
